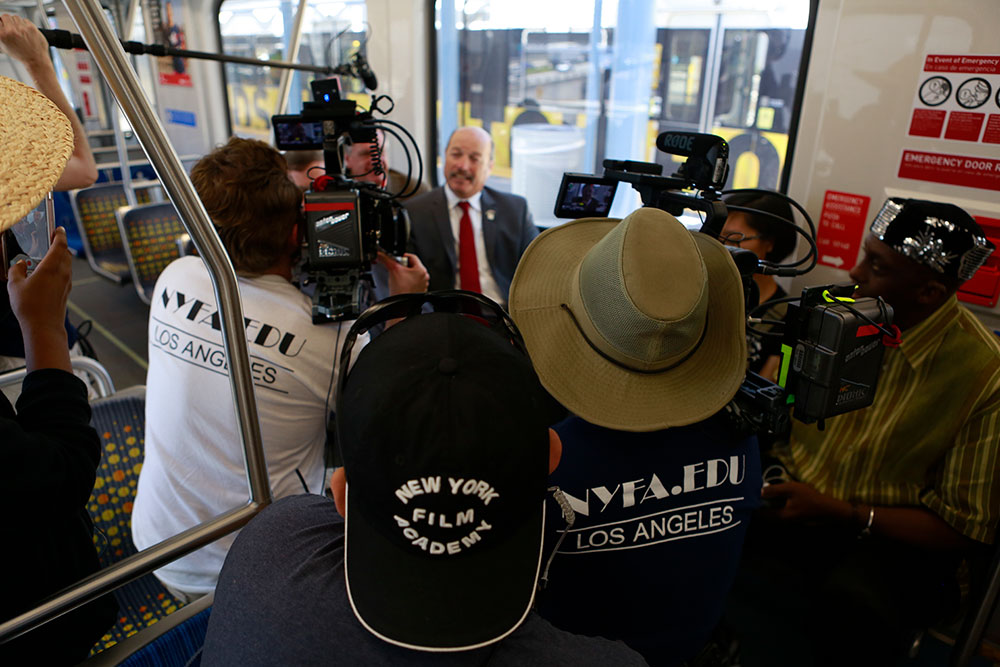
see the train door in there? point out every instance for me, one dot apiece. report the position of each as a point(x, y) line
point(733, 75)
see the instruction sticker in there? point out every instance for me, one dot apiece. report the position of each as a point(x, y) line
point(957, 96)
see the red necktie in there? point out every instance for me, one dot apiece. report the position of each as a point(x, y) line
point(468, 268)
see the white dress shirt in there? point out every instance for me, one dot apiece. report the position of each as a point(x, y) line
point(487, 283)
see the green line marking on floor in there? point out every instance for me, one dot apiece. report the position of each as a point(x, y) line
point(113, 339)
point(86, 281)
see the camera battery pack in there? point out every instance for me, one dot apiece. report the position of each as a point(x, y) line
point(836, 358)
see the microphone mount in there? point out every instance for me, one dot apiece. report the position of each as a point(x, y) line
point(358, 68)
point(64, 39)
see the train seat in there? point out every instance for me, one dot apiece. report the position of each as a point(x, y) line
point(151, 234)
point(119, 421)
point(89, 370)
point(94, 208)
point(176, 641)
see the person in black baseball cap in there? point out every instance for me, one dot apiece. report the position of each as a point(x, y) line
point(443, 429)
point(883, 503)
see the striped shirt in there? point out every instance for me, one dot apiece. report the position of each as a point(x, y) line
point(932, 436)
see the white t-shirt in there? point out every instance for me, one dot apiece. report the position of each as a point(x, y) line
point(193, 469)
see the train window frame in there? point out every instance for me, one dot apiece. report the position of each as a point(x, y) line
point(780, 182)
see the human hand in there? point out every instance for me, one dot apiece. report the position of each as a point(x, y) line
point(405, 279)
point(797, 501)
point(39, 300)
point(23, 41)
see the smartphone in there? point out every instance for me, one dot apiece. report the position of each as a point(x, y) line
point(29, 238)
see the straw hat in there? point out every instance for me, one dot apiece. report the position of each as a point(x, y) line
point(635, 325)
point(36, 140)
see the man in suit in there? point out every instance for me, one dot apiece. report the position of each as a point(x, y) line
point(497, 226)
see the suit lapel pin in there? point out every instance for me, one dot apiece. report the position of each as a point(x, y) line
point(490, 214)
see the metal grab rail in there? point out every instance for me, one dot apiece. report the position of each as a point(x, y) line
point(98, 373)
point(285, 87)
point(107, 51)
point(978, 616)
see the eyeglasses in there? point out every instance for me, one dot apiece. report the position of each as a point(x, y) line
point(736, 238)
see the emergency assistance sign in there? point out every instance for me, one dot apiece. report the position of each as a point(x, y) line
point(841, 228)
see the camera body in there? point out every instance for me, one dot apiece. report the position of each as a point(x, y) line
point(704, 171)
point(346, 221)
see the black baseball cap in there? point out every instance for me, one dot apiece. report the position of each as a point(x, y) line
point(444, 435)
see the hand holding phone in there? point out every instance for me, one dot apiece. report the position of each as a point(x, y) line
point(39, 300)
point(29, 238)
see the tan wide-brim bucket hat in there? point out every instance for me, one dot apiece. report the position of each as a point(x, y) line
point(36, 140)
point(635, 325)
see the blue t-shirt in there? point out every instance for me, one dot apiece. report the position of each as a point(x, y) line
point(282, 600)
point(660, 522)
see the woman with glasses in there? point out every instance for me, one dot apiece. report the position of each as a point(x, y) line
point(771, 240)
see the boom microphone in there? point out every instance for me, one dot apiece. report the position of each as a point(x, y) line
point(364, 72)
point(63, 39)
point(359, 69)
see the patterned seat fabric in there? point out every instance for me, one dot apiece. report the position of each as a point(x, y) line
point(179, 647)
point(95, 213)
point(150, 234)
point(119, 421)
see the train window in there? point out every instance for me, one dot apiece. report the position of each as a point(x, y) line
point(564, 84)
point(331, 31)
point(682, 77)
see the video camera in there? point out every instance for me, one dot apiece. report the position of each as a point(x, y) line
point(346, 221)
point(832, 345)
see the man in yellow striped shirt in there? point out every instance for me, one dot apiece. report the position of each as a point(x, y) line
point(914, 475)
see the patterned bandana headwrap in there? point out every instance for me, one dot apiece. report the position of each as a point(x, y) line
point(941, 236)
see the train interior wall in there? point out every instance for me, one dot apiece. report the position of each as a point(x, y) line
point(861, 113)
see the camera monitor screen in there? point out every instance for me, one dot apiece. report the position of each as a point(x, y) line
point(585, 196)
point(291, 133)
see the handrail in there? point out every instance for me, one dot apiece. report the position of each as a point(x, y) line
point(98, 373)
point(978, 616)
point(285, 87)
point(110, 58)
point(105, 385)
point(121, 148)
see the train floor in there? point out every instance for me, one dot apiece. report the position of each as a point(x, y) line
point(118, 320)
